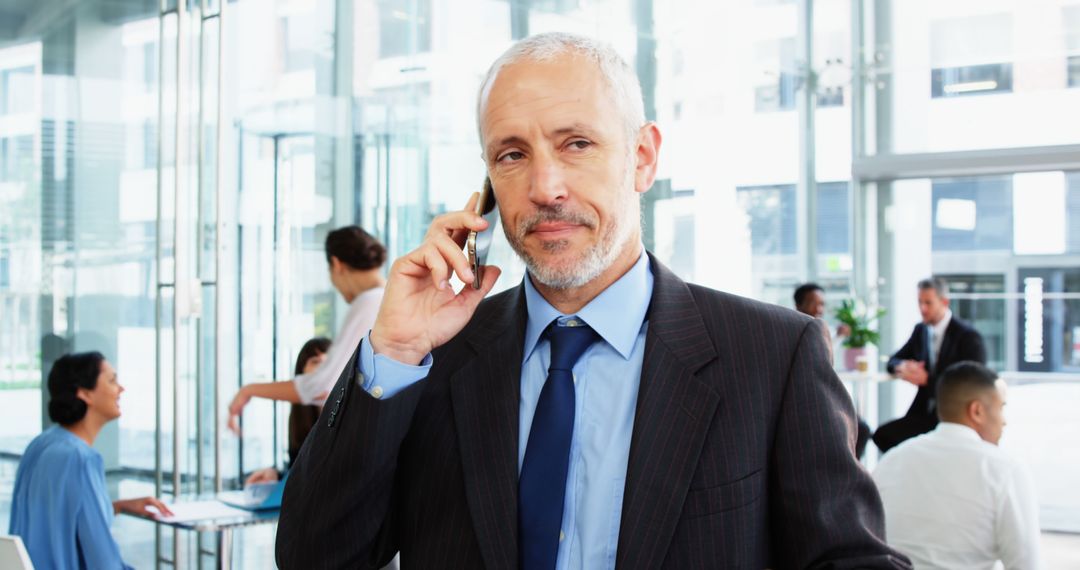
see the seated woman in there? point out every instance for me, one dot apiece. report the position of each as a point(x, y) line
point(60, 506)
point(302, 417)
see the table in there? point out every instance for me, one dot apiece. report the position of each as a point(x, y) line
point(860, 385)
point(222, 523)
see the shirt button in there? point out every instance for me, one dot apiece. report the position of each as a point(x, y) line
point(561, 536)
point(376, 392)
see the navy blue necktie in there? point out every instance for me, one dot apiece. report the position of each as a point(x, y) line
point(929, 348)
point(928, 335)
point(542, 486)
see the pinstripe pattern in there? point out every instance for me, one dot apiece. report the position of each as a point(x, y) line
point(741, 454)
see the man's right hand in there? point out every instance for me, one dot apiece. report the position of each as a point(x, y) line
point(419, 310)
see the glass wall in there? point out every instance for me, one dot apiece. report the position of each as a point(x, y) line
point(203, 172)
point(975, 74)
point(167, 179)
point(77, 215)
point(968, 104)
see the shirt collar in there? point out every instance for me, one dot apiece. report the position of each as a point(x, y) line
point(616, 314)
point(940, 326)
point(953, 430)
point(67, 434)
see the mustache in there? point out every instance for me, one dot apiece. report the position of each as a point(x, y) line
point(546, 214)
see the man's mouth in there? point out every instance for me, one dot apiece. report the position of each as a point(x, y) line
point(553, 230)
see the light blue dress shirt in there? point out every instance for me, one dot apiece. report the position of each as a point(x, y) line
point(607, 378)
point(60, 506)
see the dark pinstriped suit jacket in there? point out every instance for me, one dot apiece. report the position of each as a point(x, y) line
point(741, 454)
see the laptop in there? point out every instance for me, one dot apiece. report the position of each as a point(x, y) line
point(257, 497)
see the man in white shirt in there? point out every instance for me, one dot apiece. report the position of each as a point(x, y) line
point(953, 498)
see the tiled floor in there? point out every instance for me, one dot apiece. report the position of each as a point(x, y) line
point(254, 546)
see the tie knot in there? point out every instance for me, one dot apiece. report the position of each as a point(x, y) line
point(568, 343)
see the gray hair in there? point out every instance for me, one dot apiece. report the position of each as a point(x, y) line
point(619, 76)
point(939, 285)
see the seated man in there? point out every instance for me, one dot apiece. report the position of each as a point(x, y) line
point(938, 341)
point(952, 498)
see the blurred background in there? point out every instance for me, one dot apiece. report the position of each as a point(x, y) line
point(168, 173)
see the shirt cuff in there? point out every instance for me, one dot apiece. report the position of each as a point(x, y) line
point(382, 376)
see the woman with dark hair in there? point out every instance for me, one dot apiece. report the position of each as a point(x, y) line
point(302, 417)
point(356, 259)
point(60, 506)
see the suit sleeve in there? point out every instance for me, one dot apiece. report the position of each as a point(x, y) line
point(825, 511)
point(973, 347)
point(338, 505)
point(910, 351)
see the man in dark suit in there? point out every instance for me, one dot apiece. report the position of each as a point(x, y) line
point(603, 413)
point(939, 341)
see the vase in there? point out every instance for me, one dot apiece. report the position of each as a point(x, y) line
point(851, 357)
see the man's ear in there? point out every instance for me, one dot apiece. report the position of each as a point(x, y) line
point(335, 264)
point(976, 412)
point(647, 154)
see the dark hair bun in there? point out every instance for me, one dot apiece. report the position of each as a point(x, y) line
point(67, 409)
point(69, 373)
point(355, 248)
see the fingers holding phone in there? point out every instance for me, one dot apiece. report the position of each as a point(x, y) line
point(479, 242)
point(420, 310)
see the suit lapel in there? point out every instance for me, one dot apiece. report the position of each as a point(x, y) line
point(485, 394)
point(947, 343)
point(674, 411)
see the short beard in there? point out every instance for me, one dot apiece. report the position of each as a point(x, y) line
point(589, 265)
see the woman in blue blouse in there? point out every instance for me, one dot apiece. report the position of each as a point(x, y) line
point(60, 506)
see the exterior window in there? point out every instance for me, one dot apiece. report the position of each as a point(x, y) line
point(971, 56)
point(833, 217)
point(772, 212)
point(776, 90)
point(971, 80)
point(973, 214)
point(404, 27)
point(980, 300)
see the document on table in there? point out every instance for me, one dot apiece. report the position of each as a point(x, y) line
point(202, 510)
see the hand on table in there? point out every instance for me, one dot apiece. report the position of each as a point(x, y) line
point(138, 507)
point(266, 475)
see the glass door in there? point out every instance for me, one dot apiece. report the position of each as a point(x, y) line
point(284, 295)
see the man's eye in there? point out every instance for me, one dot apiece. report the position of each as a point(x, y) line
point(510, 156)
point(580, 144)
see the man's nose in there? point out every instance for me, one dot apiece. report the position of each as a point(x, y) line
point(547, 184)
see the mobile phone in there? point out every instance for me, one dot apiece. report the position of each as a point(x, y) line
point(479, 243)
